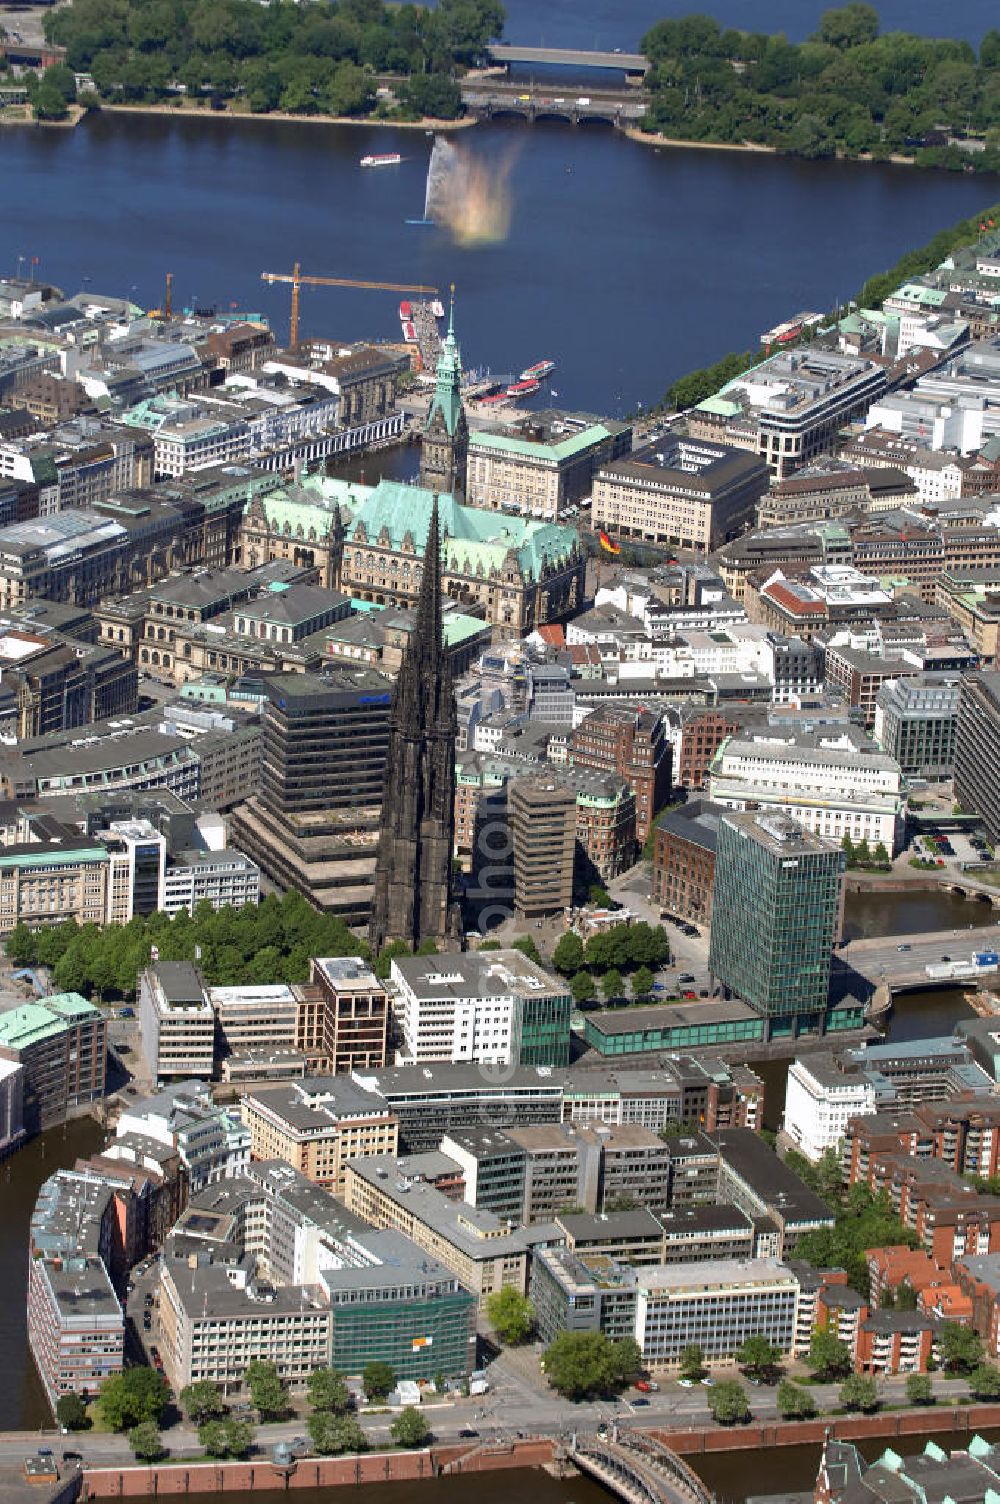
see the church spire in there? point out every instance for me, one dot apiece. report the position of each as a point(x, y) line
point(412, 899)
point(445, 440)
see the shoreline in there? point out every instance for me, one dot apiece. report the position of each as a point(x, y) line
point(645, 138)
point(449, 1459)
point(178, 112)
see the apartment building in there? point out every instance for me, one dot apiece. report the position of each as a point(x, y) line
point(542, 815)
point(60, 1043)
point(431, 1100)
point(210, 1141)
point(317, 1125)
point(596, 1167)
point(681, 492)
point(754, 1179)
point(916, 722)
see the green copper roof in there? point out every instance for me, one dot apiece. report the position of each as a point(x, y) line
point(33, 1022)
point(552, 454)
point(447, 399)
point(472, 538)
point(720, 405)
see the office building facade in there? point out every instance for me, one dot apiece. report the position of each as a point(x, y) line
point(776, 915)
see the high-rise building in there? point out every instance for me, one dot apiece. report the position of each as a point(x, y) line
point(775, 913)
point(445, 445)
point(633, 744)
point(314, 825)
point(977, 749)
point(542, 815)
point(412, 899)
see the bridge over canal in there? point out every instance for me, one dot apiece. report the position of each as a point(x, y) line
point(638, 1468)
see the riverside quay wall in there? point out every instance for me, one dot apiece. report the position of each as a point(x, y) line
point(162, 1479)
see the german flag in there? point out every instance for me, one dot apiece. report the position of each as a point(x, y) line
point(608, 543)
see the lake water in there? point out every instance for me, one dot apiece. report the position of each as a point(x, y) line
point(627, 265)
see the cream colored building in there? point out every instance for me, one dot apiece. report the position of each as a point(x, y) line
point(470, 1241)
point(317, 1124)
point(684, 492)
point(539, 476)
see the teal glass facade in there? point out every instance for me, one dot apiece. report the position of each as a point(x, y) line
point(775, 914)
point(545, 1029)
point(417, 1338)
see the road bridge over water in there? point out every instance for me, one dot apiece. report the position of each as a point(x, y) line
point(900, 962)
point(491, 97)
point(569, 57)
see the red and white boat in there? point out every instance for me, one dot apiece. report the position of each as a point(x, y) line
point(523, 388)
point(490, 398)
point(381, 159)
point(405, 310)
point(437, 308)
point(409, 333)
point(539, 371)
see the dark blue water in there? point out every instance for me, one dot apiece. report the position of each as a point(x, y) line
point(620, 23)
point(625, 264)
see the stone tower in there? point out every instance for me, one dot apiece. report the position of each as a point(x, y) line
point(412, 900)
point(444, 447)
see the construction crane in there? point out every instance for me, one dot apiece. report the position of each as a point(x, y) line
point(298, 279)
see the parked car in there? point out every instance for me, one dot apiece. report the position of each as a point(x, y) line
point(638, 1402)
point(686, 1383)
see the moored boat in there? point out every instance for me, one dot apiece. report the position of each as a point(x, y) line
point(538, 371)
point(523, 388)
point(381, 159)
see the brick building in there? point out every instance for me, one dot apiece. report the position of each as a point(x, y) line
point(633, 744)
point(684, 860)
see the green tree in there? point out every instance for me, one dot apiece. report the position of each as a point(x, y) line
point(984, 1382)
point(758, 1357)
point(49, 103)
point(612, 984)
point(583, 987)
point(334, 1434)
point(511, 1315)
point(526, 945)
point(960, 1348)
point(409, 1429)
point(378, 1380)
point(20, 946)
point(327, 1390)
point(71, 1412)
point(433, 95)
point(228, 1437)
point(584, 1365)
point(146, 1442)
point(849, 26)
point(131, 1397)
point(568, 956)
point(829, 1358)
point(919, 1389)
point(794, 1402)
point(728, 1403)
point(202, 1401)
point(692, 1362)
point(859, 1392)
point(267, 1391)
point(642, 982)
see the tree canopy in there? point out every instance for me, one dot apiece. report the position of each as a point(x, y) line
point(864, 1221)
point(409, 1429)
point(131, 1397)
point(378, 1379)
point(849, 90)
point(268, 942)
point(321, 58)
point(585, 1365)
point(511, 1314)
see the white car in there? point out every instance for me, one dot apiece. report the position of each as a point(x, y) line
point(686, 1383)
